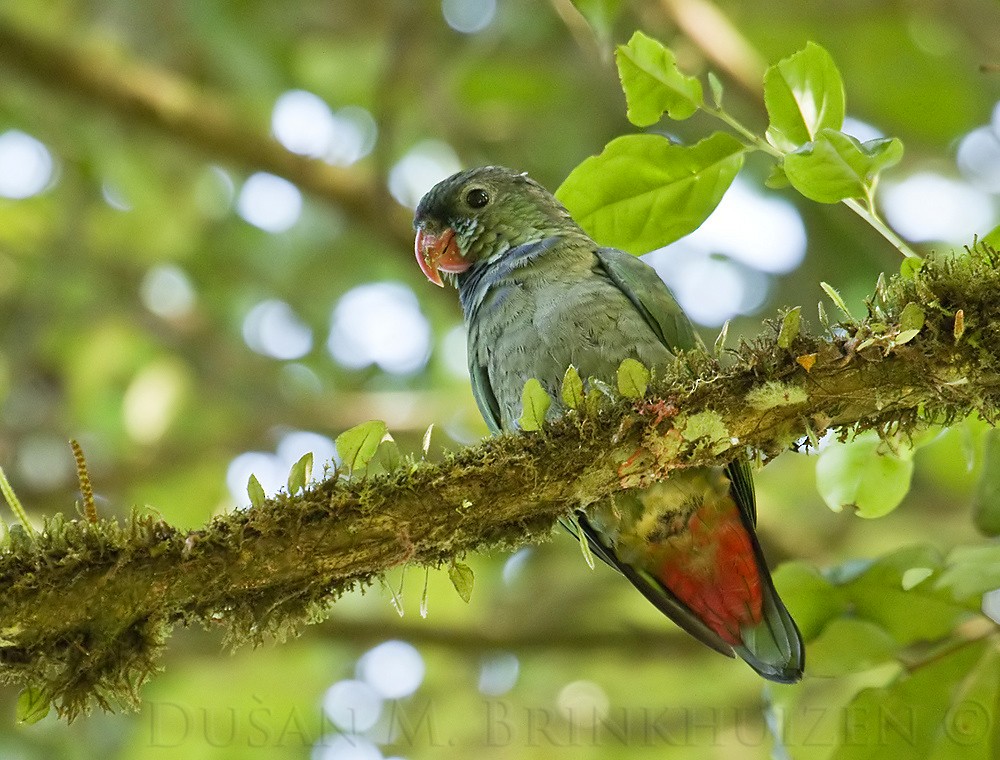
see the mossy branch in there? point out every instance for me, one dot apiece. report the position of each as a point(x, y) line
point(86, 607)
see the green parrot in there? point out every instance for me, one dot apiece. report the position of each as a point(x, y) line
point(539, 295)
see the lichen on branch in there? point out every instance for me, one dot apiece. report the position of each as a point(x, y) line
point(87, 607)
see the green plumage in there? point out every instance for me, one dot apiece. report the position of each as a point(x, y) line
point(539, 295)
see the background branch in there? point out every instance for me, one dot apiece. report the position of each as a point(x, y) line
point(140, 94)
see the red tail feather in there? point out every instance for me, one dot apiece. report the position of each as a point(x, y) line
point(711, 568)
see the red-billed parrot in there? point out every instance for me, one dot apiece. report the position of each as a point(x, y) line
point(539, 295)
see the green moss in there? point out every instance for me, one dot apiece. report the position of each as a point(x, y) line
point(775, 393)
point(707, 430)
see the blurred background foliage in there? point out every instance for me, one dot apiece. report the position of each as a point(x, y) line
point(192, 317)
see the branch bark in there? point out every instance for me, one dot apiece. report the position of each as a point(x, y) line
point(87, 606)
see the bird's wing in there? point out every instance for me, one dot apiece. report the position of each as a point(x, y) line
point(656, 303)
point(483, 392)
point(650, 296)
point(741, 480)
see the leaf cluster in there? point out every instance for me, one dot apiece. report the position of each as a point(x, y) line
point(643, 192)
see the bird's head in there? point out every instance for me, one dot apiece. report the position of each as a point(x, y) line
point(480, 214)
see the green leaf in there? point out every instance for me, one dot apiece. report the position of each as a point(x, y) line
point(986, 500)
point(911, 318)
point(389, 455)
point(535, 403)
point(909, 267)
point(358, 445)
point(643, 192)
point(572, 388)
point(811, 598)
point(971, 730)
point(992, 238)
point(425, 444)
point(462, 578)
point(715, 85)
point(943, 710)
point(720, 340)
point(633, 379)
point(803, 94)
point(790, 327)
point(601, 15)
point(836, 166)
point(971, 571)
point(777, 179)
point(597, 397)
point(837, 299)
point(848, 645)
point(862, 475)
point(7, 490)
point(915, 576)
point(821, 315)
point(653, 84)
point(922, 612)
point(32, 705)
point(255, 491)
point(300, 473)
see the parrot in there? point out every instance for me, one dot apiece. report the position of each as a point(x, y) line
point(538, 295)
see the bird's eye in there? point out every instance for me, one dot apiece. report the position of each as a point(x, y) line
point(477, 197)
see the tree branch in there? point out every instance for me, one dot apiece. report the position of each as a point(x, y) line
point(140, 94)
point(87, 606)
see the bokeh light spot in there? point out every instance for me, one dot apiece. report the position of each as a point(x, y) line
point(272, 328)
point(991, 605)
point(394, 669)
point(765, 233)
point(153, 399)
point(498, 674)
point(353, 706)
point(380, 323)
point(167, 292)
point(345, 747)
point(26, 166)
point(583, 703)
point(295, 444)
point(862, 130)
point(271, 469)
point(929, 207)
point(468, 16)
point(271, 203)
point(710, 288)
point(305, 124)
point(455, 351)
point(44, 462)
point(354, 135)
point(979, 159)
point(426, 164)
point(302, 122)
point(266, 467)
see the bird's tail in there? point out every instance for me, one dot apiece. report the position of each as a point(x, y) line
point(773, 647)
point(709, 576)
point(717, 571)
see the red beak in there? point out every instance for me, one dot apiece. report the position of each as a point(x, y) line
point(438, 252)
